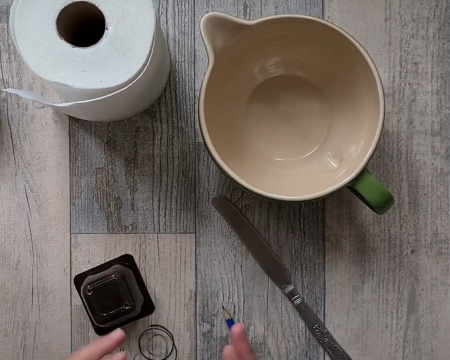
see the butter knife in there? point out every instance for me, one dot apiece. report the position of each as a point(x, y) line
point(278, 273)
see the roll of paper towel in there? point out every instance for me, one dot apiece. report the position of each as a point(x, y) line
point(108, 59)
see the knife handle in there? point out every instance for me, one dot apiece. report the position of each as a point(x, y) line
point(317, 327)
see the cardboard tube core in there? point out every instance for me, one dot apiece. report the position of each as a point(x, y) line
point(81, 24)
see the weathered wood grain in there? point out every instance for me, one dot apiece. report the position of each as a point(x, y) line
point(35, 219)
point(388, 278)
point(138, 175)
point(306, 7)
point(247, 10)
point(228, 275)
point(5, 5)
point(167, 264)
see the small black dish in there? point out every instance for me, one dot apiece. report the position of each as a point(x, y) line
point(114, 294)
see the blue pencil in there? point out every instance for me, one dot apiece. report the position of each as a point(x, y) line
point(228, 318)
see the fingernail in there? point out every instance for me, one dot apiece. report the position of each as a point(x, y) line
point(121, 355)
point(117, 334)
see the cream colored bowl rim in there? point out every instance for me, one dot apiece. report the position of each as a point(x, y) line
point(227, 169)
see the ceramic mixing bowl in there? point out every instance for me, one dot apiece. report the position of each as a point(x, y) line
point(291, 108)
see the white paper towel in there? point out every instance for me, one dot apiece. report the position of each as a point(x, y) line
point(119, 76)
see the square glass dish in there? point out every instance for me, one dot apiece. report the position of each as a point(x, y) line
point(114, 294)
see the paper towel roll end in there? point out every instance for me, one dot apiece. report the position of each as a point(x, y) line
point(28, 95)
point(131, 95)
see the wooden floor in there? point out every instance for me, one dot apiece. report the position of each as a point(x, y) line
point(74, 194)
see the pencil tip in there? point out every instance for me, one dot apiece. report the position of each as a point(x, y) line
point(226, 314)
point(223, 307)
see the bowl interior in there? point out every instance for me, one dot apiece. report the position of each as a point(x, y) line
point(293, 109)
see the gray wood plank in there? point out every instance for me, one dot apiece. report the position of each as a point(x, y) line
point(388, 278)
point(227, 274)
point(35, 219)
point(306, 7)
point(167, 264)
point(5, 5)
point(138, 175)
point(247, 10)
point(4, 13)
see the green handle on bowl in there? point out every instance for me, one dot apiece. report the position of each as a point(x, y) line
point(371, 192)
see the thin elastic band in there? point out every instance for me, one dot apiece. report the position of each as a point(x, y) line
point(156, 331)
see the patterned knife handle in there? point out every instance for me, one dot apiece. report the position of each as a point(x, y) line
point(317, 327)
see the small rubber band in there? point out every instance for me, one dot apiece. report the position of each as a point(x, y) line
point(156, 331)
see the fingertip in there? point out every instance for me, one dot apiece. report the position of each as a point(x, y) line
point(117, 335)
point(238, 331)
point(229, 353)
point(240, 342)
point(119, 356)
point(102, 346)
point(237, 328)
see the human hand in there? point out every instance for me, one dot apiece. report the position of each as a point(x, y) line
point(102, 347)
point(240, 348)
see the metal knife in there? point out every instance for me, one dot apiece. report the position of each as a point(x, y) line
point(278, 273)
